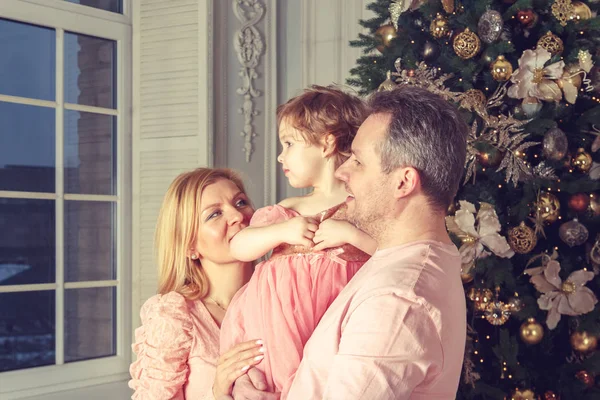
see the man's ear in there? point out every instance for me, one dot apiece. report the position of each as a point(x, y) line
point(328, 145)
point(406, 181)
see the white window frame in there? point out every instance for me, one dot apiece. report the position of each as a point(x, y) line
point(64, 16)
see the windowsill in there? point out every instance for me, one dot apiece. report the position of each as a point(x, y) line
point(114, 391)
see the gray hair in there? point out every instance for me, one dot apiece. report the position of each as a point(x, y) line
point(427, 133)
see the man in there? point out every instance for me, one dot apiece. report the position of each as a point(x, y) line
point(398, 329)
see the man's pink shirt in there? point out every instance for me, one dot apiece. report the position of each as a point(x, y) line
point(396, 331)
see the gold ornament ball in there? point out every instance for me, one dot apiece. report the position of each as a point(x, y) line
point(586, 378)
point(501, 69)
point(439, 27)
point(466, 277)
point(582, 160)
point(531, 331)
point(579, 202)
point(552, 43)
point(581, 11)
point(522, 239)
point(571, 76)
point(386, 33)
point(583, 342)
point(550, 395)
point(466, 44)
point(549, 207)
point(523, 394)
point(490, 158)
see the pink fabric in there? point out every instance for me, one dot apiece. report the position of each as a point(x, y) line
point(177, 350)
point(285, 299)
point(396, 331)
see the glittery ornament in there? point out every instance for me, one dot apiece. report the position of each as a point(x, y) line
point(388, 84)
point(397, 7)
point(582, 160)
point(448, 6)
point(573, 233)
point(548, 207)
point(551, 43)
point(555, 144)
point(523, 394)
point(516, 304)
point(466, 44)
point(579, 202)
point(531, 106)
point(497, 313)
point(586, 378)
point(386, 34)
point(501, 69)
point(562, 11)
point(595, 204)
point(522, 239)
point(581, 11)
point(439, 27)
point(527, 17)
point(531, 331)
point(583, 342)
point(490, 26)
point(480, 297)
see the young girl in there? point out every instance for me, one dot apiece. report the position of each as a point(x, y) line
point(315, 250)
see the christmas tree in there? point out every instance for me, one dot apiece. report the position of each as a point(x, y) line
point(526, 219)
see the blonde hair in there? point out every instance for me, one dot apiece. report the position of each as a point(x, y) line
point(176, 229)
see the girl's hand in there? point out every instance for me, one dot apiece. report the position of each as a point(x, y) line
point(333, 233)
point(300, 231)
point(235, 363)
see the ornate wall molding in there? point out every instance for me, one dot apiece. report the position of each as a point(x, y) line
point(249, 47)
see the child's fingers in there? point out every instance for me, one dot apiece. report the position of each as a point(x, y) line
point(312, 227)
point(240, 347)
point(321, 246)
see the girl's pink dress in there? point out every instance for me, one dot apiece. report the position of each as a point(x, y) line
point(177, 349)
point(287, 296)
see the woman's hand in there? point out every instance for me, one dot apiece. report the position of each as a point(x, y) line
point(235, 363)
point(300, 231)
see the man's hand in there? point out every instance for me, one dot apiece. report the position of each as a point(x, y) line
point(252, 386)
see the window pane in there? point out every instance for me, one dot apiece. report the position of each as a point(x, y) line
point(28, 62)
point(27, 156)
point(26, 329)
point(90, 72)
point(89, 241)
point(27, 246)
point(90, 153)
point(108, 5)
point(90, 323)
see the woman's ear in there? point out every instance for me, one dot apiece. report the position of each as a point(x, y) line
point(328, 145)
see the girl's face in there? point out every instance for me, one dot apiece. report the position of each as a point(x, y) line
point(224, 211)
point(302, 162)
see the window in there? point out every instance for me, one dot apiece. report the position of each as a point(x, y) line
point(64, 195)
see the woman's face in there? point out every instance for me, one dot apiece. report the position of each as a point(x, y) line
point(224, 211)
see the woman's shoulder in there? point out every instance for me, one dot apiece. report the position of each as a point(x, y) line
point(172, 307)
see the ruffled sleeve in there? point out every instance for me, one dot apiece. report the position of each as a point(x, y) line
point(270, 215)
point(162, 345)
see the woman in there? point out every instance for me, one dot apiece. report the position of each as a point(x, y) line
point(177, 345)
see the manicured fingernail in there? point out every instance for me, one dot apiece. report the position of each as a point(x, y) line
point(259, 342)
point(258, 358)
point(262, 349)
point(246, 368)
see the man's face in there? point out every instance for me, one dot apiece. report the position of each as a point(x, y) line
point(369, 188)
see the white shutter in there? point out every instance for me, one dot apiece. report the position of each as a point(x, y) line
point(172, 123)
